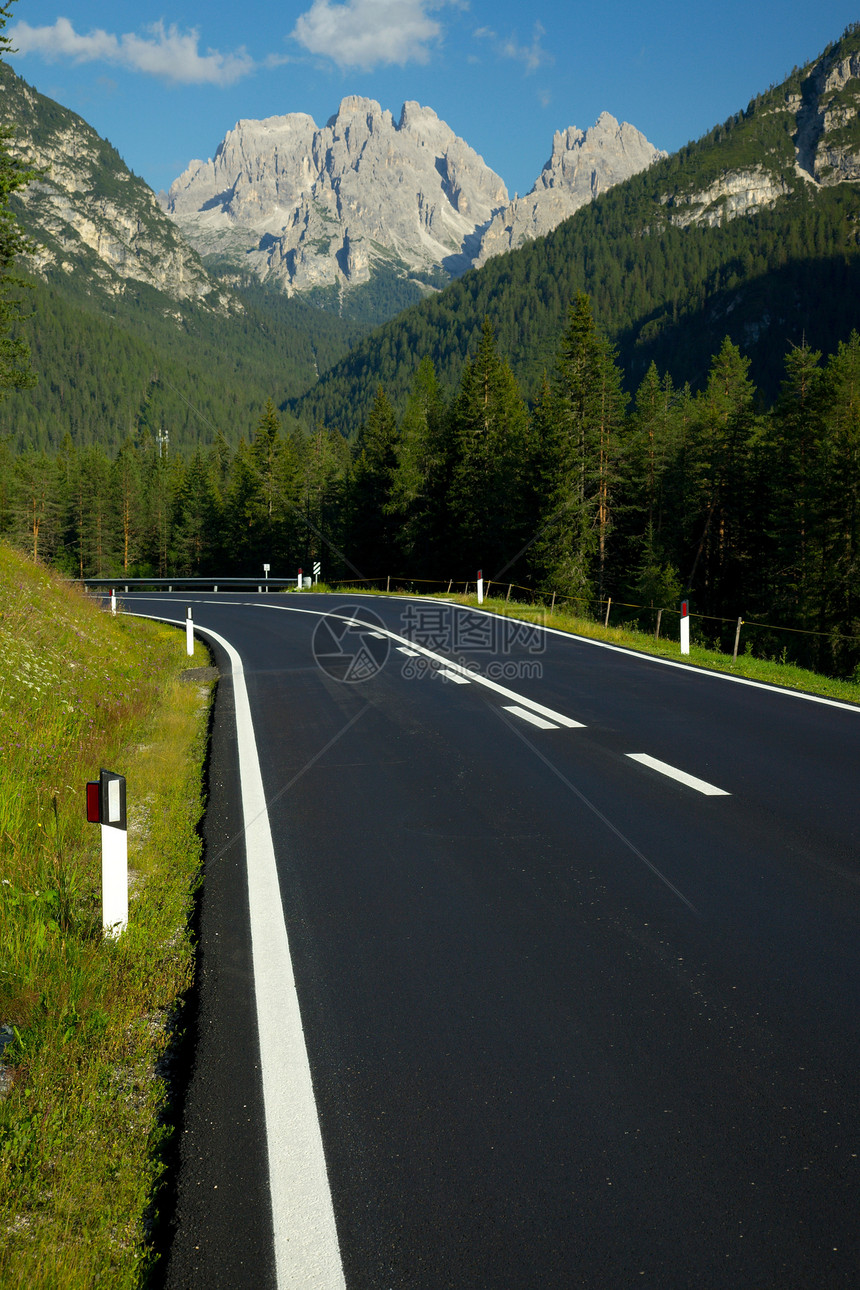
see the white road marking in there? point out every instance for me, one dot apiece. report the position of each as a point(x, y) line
point(530, 716)
point(448, 675)
point(700, 785)
point(307, 1253)
point(412, 650)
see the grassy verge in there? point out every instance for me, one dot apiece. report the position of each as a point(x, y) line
point(771, 671)
point(82, 1019)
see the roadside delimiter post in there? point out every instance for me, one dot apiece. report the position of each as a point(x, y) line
point(106, 807)
point(685, 626)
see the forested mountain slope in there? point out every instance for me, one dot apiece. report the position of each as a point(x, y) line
point(106, 373)
point(128, 330)
point(752, 232)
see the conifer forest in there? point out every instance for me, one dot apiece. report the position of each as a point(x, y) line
point(586, 493)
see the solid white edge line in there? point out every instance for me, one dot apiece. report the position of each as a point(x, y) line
point(307, 1254)
point(700, 785)
point(652, 658)
point(530, 716)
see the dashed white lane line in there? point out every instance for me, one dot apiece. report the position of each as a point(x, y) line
point(530, 716)
point(700, 785)
point(448, 675)
point(410, 653)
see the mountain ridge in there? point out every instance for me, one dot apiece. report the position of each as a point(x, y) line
point(304, 207)
point(722, 237)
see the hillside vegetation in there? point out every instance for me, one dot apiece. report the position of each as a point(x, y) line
point(663, 290)
point(83, 1018)
point(107, 370)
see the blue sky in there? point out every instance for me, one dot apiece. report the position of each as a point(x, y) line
point(164, 84)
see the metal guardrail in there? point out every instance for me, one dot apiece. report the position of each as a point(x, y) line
point(185, 584)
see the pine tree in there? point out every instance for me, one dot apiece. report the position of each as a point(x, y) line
point(491, 445)
point(723, 432)
point(373, 534)
point(419, 481)
point(582, 417)
point(841, 538)
point(794, 447)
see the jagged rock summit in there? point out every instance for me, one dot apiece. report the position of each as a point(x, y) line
point(312, 207)
point(304, 207)
point(584, 163)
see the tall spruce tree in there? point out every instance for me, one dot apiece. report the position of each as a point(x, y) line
point(841, 507)
point(491, 461)
point(373, 535)
point(724, 429)
point(795, 459)
point(582, 417)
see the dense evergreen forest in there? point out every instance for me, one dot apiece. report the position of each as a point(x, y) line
point(589, 493)
point(109, 370)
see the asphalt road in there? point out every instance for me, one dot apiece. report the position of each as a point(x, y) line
point(570, 1021)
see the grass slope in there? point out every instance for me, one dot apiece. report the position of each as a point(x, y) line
point(82, 1018)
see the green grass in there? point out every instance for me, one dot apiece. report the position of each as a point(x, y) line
point(80, 1135)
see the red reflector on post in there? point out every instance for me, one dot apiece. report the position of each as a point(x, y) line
point(93, 812)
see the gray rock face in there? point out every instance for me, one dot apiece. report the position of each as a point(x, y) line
point(584, 163)
point(89, 213)
point(824, 125)
point(315, 207)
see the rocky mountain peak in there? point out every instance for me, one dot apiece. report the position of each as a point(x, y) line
point(583, 163)
point(306, 207)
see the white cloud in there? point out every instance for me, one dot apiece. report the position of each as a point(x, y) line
point(162, 51)
point(531, 56)
point(367, 33)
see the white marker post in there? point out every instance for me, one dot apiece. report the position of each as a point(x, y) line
point(685, 626)
point(299, 582)
point(113, 600)
point(106, 806)
point(480, 586)
point(189, 634)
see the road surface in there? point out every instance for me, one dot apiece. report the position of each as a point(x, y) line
point(574, 937)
